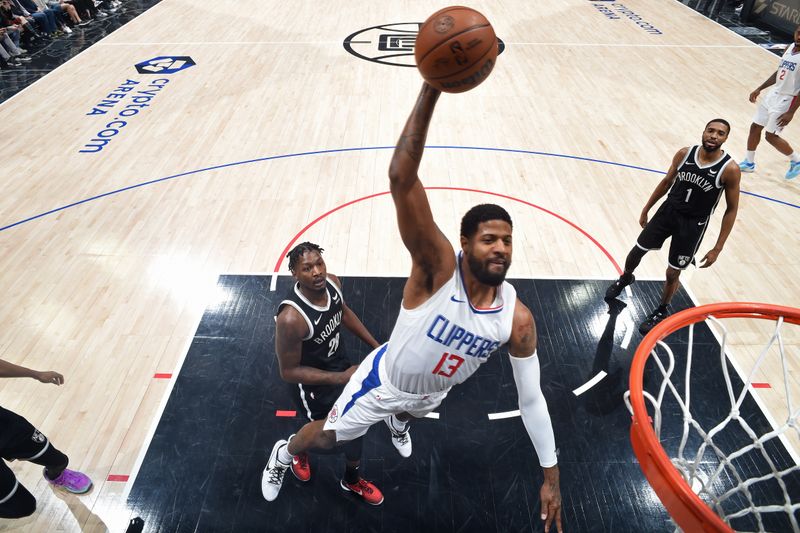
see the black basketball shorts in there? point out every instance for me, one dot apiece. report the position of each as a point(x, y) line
point(686, 233)
point(315, 402)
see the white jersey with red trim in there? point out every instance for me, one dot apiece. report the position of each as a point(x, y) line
point(787, 79)
point(443, 342)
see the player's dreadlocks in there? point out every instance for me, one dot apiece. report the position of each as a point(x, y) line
point(298, 251)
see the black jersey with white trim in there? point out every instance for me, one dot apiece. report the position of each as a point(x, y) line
point(321, 347)
point(697, 188)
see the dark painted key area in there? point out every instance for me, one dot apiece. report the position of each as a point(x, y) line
point(467, 473)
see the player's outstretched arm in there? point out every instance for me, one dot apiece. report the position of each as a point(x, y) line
point(664, 185)
point(10, 370)
point(533, 409)
point(290, 329)
point(731, 178)
point(351, 321)
point(431, 253)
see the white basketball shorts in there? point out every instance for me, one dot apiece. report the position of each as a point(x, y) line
point(770, 108)
point(369, 398)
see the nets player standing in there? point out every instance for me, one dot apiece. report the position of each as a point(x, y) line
point(694, 183)
point(457, 310)
point(20, 440)
point(311, 360)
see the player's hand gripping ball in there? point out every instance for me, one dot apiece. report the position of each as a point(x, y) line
point(456, 49)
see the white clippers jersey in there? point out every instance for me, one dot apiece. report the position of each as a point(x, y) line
point(443, 342)
point(787, 79)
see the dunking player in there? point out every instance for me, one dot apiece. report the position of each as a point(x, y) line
point(456, 312)
point(311, 359)
point(777, 109)
point(695, 182)
point(19, 440)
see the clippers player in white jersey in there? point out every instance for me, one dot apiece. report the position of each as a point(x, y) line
point(698, 177)
point(311, 359)
point(777, 109)
point(456, 311)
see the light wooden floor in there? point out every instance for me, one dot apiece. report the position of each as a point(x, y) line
point(110, 291)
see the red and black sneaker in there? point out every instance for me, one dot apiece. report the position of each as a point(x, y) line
point(300, 467)
point(365, 490)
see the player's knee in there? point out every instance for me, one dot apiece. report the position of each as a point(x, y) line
point(673, 274)
point(771, 137)
point(327, 439)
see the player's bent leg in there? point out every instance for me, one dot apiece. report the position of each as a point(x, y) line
point(36, 448)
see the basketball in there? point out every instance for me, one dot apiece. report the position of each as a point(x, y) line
point(456, 49)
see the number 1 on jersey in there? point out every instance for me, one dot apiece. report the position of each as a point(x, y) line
point(688, 194)
point(450, 369)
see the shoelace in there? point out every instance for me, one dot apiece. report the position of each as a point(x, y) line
point(402, 438)
point(276, 474)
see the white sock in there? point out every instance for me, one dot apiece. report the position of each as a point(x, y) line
point(750, 155)
point(795, 157)
point(398, 425)
point(283, 454)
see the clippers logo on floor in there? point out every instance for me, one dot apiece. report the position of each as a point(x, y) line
point(389, 44)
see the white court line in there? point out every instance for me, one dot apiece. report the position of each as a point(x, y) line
point(507, 414)
point(629, 327)
point(435, 416)
point(160, 412)
point(589, 384)
point(339, 42)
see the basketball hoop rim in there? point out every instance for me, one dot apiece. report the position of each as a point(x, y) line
point(686, 508)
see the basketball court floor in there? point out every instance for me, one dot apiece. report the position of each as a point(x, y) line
point(154, 183)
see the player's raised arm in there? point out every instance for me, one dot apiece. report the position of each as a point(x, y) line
point(432, 254)
point(533, 410)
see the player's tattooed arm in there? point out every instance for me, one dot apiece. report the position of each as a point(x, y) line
point(412, 144)
point(408, 152)
point(432, 255)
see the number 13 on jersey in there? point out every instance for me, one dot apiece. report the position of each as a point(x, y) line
point(448, 370)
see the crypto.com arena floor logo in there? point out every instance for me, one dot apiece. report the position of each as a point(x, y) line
point(165, 65)
point(390, 44)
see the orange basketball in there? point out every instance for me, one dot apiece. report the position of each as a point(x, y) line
point(456, 49)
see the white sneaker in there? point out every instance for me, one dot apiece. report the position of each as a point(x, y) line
point(401, 441)
point(272, 477)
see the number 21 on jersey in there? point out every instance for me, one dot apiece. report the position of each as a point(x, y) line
point(447, 370)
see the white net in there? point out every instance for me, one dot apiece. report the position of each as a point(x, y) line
point(735, 455)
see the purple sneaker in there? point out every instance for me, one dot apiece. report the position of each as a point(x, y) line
point(72, 481)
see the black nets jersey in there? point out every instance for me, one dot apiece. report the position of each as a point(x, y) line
point(697, 189)
point(321, 345)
